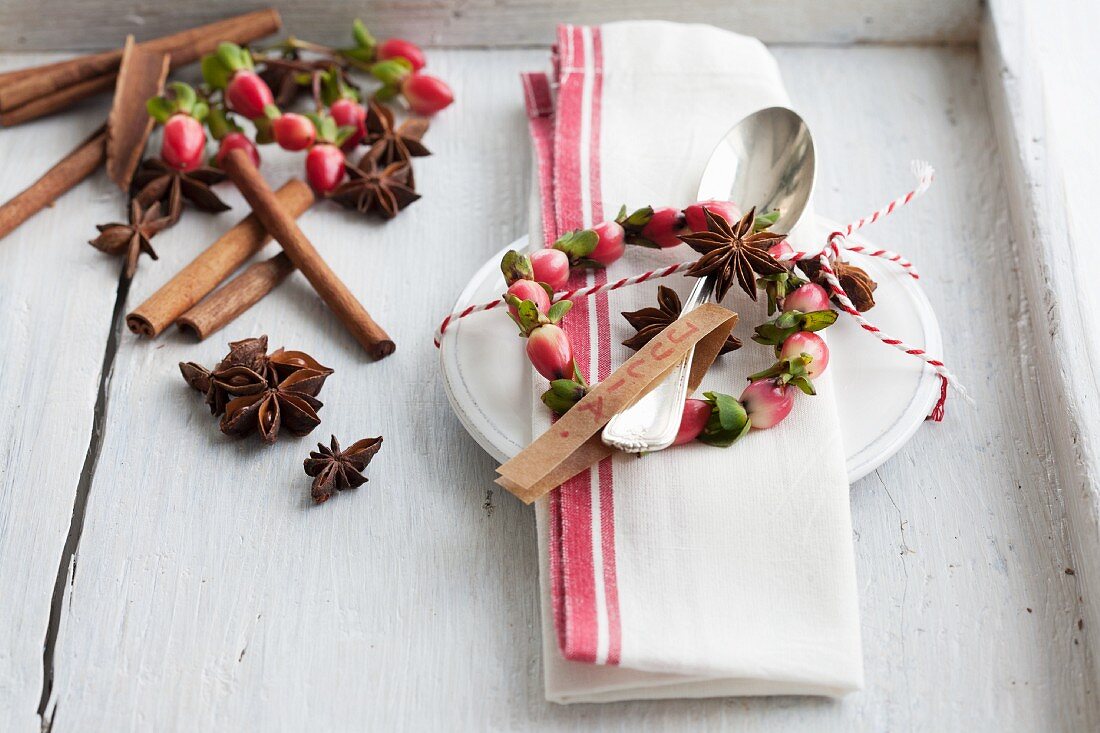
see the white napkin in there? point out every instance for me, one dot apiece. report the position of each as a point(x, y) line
point(697, 571)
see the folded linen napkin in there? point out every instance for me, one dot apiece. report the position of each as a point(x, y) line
point(697, 571)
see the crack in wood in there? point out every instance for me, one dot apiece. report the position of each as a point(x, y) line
point(66, 568)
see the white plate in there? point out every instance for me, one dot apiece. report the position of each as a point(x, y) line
point(883, 395)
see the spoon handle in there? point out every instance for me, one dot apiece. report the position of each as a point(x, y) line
point(651, 423)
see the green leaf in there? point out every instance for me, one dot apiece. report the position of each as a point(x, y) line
point(728, 420)
point(220, 123)
point(803, 384)
point(516, 266)
point(765, 221)
point(214, 72)
point(527, 314)
point(578, 244)
point(363, 39)
point(200, 111)
point(817, 320)
point(343, 133)
point(639, 218)
point(183, 96)
point(558, 310)
point(391, 71)
point(387, 93)
point(230, 55)
point(159, 108)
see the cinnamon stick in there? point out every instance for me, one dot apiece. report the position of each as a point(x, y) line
point(306, 257)
point(59, 100)
point(236, 296)
point(129, 125)
point(86, 75)
point(73, 168)
point(217, 262)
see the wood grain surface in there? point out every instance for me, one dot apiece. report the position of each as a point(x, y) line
point(99, 24)
point(207, 593)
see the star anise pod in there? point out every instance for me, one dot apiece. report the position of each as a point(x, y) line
point(157, 181)
point(335, 470)
point(392, 143)
point(651, 321)
point(855, 281)
point(733, 252)
point(249, 371)
point(368, 188)
point(292, 403)
point(132, 238)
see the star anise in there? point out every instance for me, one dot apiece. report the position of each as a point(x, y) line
point(260, 391)
point(368, 188)
point(651, 321)
point(133, 238)
point(335, 470)
point(157, 181)
point(390, 143)
point(732, 253)
point(855, 281)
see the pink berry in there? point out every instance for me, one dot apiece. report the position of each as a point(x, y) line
point(551, 266)
point(665, 226)
point(248, 94)
point(184, 142)
point(697, 220)
point(426, 94)
point(294, 131)
point(780, 249)
point(237, 141)
point(400, 48)
point(611, 244)
point(324, 167)
point(529, 290)
point(767, 403)
point(695, 417)
point(805, 342)
point(349, 113)
point(550, 353)
point(807, 299)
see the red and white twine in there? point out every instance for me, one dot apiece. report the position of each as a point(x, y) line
point(834, 246)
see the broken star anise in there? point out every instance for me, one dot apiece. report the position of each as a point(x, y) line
point(261, 392)
point(335, 470)
point(732, 253)
point(856, 282)
point(157, 181)
point(390, 143)
point(368, 188)
point(651, 321)
point(133, 238)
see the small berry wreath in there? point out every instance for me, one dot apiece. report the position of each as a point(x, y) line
point(737, 250)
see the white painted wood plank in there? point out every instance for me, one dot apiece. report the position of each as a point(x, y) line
point(56, 299)
point(1044, 102)
point(84, 24)
point(210, 596)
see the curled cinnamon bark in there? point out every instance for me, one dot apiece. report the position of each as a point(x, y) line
point(236, 296)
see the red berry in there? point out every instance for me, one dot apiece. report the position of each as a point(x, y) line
point(805, 342)
point(780, 248)
point(529, 290)
point(237, 141)
point(184, 142)
point(767, 403)
point(551, 266)
point(324, 167)
point(664, 227)
point(399, 47)
point(550, 352)
point(426, 94)
point(807, 299)
point(695, 417)
point(697, 220)
point(611, 245)
point(349, 113)
point(294, 131)
point(247, 94)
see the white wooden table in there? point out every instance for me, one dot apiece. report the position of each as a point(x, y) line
point(194, 587)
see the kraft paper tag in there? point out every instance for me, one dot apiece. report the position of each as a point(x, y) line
point(572, 443)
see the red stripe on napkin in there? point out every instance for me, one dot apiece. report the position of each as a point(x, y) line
point(584, 587)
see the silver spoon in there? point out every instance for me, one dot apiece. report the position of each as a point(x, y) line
point(766, 160)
